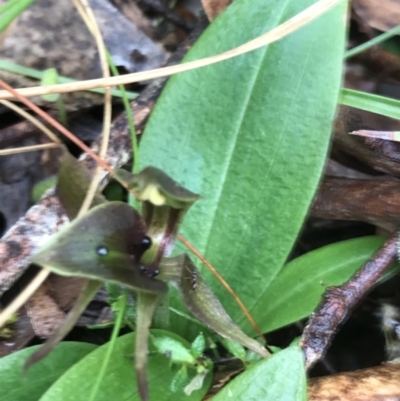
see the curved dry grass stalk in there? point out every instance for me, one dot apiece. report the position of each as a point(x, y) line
point(87, 15)
point(288, 27)
point(24, 149)
point(52, 136)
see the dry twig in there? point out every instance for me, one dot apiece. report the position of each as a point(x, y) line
point(339, 301)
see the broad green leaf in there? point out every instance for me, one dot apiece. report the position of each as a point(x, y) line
point(250, 135)
point(16, 386)
point(175, 350)
point(382, 105)
point(119, 381)
point(298, 288)
point(281, 377)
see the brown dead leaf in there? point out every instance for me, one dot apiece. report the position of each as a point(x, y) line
point(22, 334)
point(43, 312)
point(46, 307)
point(350, 199)
point(379, 14)
point(215, 7)
point(380, 383)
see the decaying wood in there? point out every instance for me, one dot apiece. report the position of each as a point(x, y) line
point(339, 301)
point(378, 154)
point(44, 312)
point(369, 200)
point(382, 15)
point(380, 383)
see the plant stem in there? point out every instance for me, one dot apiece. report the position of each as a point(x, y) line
point(118, 323)
point(373, 42)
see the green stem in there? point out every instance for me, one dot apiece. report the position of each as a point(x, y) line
point(12, 10)
point(120, 316)
point(188, 317)
point(373, 42)
point(62, 111)
point(373, 103)
point(135, 151)
point(9, 66)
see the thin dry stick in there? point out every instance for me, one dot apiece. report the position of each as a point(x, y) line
point(89, 18)
point(68, 134)
point(53, 137)
point(339, 301)
point(5, 152)
point(275, 34)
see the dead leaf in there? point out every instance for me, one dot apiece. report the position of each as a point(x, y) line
point(21, 336)
point(43, 312)
point(379, 14)
point(215, 7)
point(380, 383)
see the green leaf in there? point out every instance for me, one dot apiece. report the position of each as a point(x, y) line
point(18, 387)
point(297, 290)
point(11, 10)
point(198, 346)
point(234, 348)
point(50, 77)
point(382, 105)
point(281, 377)
point(6, 65)
point(180, 380)
point(197, 382)
point(173, 349)
point(119, 381)
point(250, 135)
point(41, 187)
